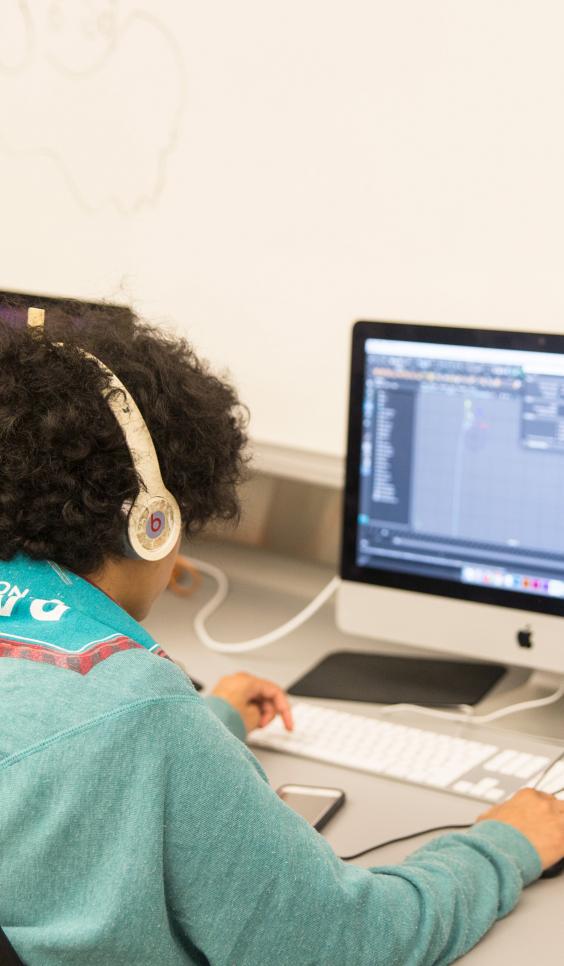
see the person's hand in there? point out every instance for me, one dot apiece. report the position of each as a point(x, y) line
point(257, 701)
point(540, 817)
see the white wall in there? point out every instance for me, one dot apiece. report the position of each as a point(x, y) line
point(263, 173)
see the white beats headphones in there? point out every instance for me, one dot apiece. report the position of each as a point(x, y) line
point(153, 521)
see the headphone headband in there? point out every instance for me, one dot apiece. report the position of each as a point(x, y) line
point(154, 522)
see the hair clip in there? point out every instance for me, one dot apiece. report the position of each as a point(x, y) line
point(36, 320)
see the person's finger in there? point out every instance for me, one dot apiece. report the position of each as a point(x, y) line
point(279, 699)
point(252, 717)
point(267, 713)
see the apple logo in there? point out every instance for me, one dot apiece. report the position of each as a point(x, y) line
point(525, 637)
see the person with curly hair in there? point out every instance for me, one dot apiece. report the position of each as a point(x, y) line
point(137, 828)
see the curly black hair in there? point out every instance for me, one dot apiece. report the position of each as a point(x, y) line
point(65, 470)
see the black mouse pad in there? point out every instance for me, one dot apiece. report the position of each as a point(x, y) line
point(387, 679)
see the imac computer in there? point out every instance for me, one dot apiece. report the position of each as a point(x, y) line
point(453, 535)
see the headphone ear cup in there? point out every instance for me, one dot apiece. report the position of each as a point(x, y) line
point(154, 526)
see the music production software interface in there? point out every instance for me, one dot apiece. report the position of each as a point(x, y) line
point(462, 465)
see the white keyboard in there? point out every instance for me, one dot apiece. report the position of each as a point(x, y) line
point(475, 769)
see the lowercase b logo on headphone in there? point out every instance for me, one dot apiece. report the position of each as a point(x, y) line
point(155, 524)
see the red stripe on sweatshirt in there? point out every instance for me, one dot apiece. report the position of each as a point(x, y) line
point(82, 662)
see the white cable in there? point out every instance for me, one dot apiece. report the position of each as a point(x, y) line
point(466, 712)
point(257, 642)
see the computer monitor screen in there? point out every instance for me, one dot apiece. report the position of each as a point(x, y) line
point(455, 474)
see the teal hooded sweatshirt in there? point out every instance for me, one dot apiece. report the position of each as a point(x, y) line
point(137, 828)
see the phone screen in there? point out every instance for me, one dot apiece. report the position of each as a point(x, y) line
point(311, 803)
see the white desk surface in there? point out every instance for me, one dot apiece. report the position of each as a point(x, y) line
point(266, 590)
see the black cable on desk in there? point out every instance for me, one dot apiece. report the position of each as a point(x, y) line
point(549, 873)
point(404, 838)
point(447, 828)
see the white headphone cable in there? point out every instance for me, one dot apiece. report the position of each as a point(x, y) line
point(255, 643)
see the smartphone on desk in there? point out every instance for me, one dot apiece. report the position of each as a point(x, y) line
point(312, 802)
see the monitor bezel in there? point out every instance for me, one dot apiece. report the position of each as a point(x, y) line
point(447, 335)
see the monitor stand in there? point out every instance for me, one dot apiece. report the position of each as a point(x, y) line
point(389, 679)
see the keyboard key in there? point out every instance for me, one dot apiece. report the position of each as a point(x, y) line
point(535, 764)
point(499, 761)
point(515, 763)
point(484, 785)
point(463, 787)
